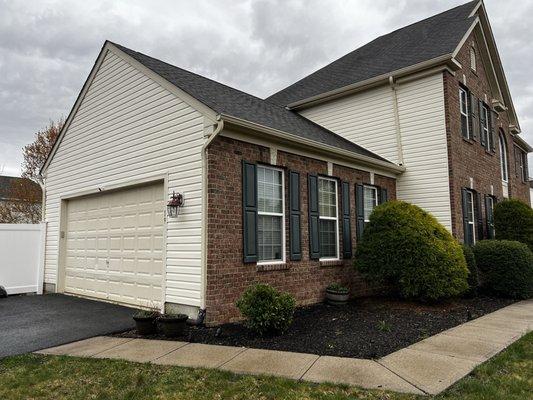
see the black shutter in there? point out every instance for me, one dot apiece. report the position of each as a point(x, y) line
point(346, 225)
point(314, 234)
point(466, 228)
point(482, 138)
point(474, 122)
point(383, 195)
point(490, 216)
point(295, 216)
point(249, 212)
point(479, 217)
point(492, 130)
point(360, 208)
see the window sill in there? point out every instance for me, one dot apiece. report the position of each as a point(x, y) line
point(331, 263)
point(272, 267)
point(469, 141)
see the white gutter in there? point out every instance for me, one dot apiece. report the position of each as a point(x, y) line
point(326, 148)
point(218, 129)
point(399, 146)
point(371, 82)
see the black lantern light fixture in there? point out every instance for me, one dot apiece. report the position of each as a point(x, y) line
point(174, 205)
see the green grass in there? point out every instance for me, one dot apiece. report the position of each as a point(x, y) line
point(508, 376)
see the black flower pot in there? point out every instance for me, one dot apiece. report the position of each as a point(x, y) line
point(337, 297)
point(173, 325)
point(145, 324)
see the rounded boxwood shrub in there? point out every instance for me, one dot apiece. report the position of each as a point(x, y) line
point(266, 310)
point(407, 248)
point(506, 267)
point(473, 274)
point(513, 220)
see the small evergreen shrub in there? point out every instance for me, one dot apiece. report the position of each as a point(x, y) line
point(473, 274)
point(266, 310)
point(513, 220)
point(407, 248)
point(506, 267)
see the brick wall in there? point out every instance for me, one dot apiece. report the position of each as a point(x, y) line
point(227, 275)
point(469, 159)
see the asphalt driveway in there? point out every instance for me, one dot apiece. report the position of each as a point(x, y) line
point(30, 323)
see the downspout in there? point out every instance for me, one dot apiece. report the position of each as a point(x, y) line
point(40, 181)
point(399, 147)
point(202, 311)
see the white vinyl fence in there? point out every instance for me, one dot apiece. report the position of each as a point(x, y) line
point(22, 257)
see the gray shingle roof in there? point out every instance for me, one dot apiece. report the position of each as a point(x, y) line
point(226, 100)
point(8, 188)
point(425, 40)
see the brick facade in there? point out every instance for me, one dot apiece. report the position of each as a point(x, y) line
point(469, 159)
point(227, 275)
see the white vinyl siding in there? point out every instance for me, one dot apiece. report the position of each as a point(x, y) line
point(367, 118)
point(127, 128)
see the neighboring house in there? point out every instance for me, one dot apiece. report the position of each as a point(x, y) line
point(274, 190)
point(20, 201)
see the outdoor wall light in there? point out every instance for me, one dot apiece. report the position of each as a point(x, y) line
point(174, 204)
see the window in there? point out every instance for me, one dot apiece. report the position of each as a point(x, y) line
point(271, 216)
point(503, 159)
point(489, 212)
point(521, 164)
point(470, 215)
point(370, 200)
point(484, 122)
point(463, 99)
point(473, 59)
point(328, 218)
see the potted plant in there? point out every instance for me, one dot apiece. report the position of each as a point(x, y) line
point(337, 294)
point(173, 325)
point(145, 321)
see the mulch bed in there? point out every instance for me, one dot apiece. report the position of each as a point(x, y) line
point(364, 328)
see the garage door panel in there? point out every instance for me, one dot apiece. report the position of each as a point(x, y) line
point(115, 245)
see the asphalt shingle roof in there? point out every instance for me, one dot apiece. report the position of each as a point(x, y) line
point(422, 41)
point(226, 100)
point(8, 188)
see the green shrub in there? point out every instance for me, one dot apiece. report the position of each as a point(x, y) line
point(513, 220)
point(473, 274)
point(266, 310)
point(406, 247)
point(506, 267)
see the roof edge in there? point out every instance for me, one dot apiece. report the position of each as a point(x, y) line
point(445, 60)
point(386, 165)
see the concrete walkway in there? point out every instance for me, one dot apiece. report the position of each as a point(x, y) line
point(426, 367)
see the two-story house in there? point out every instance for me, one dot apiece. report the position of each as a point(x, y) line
point(167, 189)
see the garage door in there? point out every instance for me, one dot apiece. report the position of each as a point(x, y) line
point(114, 246)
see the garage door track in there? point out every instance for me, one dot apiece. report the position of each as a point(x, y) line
point(30, 323)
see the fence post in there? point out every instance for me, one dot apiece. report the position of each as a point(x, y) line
point(42, 252)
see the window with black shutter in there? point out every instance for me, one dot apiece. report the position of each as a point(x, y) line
point(489, 213)
point(463, 108)
point(249, 212)
point(295, 216)
point(469, 216)
point(346, 223)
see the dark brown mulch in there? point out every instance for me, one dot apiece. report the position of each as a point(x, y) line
point(364, 328)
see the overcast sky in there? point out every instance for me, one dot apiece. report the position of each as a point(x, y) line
point(47, 48)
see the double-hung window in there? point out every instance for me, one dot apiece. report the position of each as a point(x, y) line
point(489, 212)
point(470, 216)
point(370, 201)
point(503, 160)
point(463, 99)
point(328, 218)
point(484, 121)
point(271, 215)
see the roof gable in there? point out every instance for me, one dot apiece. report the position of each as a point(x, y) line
point(425, 40)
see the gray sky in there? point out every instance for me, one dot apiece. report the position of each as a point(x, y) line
point(47, 48)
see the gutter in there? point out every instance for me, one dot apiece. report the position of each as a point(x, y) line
point(212, 136)
point(446, 58)
point(326, 148)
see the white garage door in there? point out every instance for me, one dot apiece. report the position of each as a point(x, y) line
point(115, 246)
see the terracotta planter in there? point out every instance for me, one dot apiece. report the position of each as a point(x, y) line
point(173, 325)
point(145, 325)
point(337, 297)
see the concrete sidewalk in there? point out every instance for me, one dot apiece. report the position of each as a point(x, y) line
point(426, 367)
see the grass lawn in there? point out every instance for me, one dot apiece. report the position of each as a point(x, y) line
point(508, 376)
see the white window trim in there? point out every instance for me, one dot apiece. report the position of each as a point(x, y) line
point(376, 202)
point(336, 219)
point(473, 61)
point(461, 91)
point(504, 166)
point(473, 222)
point(282, 215)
